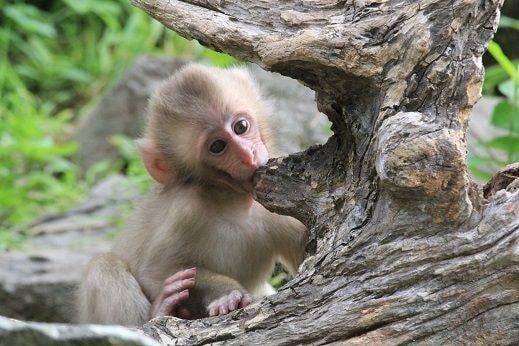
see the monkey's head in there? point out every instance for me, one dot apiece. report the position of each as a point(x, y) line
point(206, 124)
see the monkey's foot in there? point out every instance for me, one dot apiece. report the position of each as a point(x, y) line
point(174, 291)
point(229, 302)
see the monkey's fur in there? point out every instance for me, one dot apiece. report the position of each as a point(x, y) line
point(204, 217)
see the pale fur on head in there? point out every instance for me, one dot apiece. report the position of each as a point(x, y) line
point(194, 100)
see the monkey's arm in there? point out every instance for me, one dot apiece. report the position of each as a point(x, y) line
point(215, 294)
point(289, 236)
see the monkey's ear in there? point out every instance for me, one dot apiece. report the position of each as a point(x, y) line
point(155, 162)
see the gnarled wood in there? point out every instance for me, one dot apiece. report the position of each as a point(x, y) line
point(404, 247)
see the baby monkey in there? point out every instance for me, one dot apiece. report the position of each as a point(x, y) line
point(205, 138)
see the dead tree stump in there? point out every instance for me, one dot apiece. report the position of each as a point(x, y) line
point(404, 247)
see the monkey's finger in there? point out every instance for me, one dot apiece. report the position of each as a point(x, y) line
point(246, 300)
point(178, 286)
point(234, 303)
point(181, 275)
point(170, 303)
point(234, 300)
point(223, 309)
point(213, 310)
point(214, 307)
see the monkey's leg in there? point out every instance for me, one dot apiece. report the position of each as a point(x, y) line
point(289, 236)
point(109, 294)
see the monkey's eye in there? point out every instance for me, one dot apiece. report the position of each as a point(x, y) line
point(241, 126)
point(217, 147)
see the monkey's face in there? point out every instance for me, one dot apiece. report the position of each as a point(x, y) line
point(208, 124)
point(232, 151)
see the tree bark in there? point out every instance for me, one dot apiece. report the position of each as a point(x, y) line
point(404, 247)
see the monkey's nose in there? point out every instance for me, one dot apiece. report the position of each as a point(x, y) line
point(249, 161)
point(247, 158)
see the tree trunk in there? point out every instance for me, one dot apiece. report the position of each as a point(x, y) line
point(404, 247)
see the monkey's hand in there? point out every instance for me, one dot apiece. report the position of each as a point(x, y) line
point(234, 300)
point(174, 291)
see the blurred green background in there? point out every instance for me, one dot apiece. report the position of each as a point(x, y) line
point(58, 57)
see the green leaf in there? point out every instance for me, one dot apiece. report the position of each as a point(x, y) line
point(29, 18)
point(506, 116)
point(481, 167)
point(507, 143)
point(484, 161)
point(508, 88)
point(76, 75)
point(99, 7)
point(218, 59)
point(495, 75)
point(125, 145)
point(507, 22)
point(97, 171)
point(502, 60)
point(80, 7)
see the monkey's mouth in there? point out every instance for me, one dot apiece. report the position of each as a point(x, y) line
point(237, 185)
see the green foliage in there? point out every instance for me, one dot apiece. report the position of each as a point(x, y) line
point(35, 173)
point(55, 58)
point(494, 76)
point(505, 70)
point(506, 116)
point(504, 79)
point(279, 277)
point(504, 149)
point(507, 22)
point(69, 52)
point(131, 162)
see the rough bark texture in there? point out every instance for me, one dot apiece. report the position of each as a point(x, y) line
point(404, 247)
